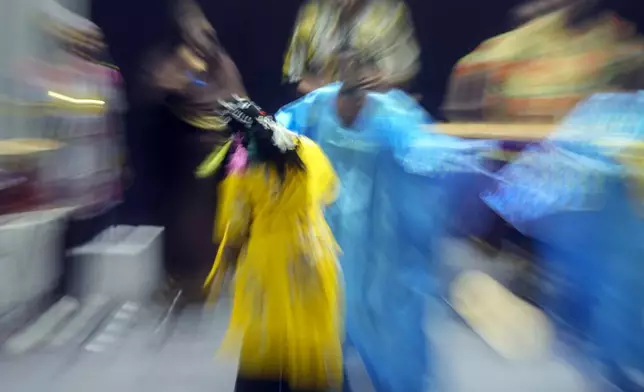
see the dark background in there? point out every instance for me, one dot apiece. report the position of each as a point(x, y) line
point(256, 33)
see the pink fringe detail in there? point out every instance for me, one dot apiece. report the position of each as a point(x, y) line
point(239, 159)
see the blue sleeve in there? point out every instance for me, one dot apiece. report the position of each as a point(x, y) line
point(300, 116)
point(568, 171)
point(419, 148)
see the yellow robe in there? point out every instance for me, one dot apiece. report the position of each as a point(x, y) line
point(287, 306)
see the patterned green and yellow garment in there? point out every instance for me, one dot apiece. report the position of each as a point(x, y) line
point(382, 31)
point(540, 70)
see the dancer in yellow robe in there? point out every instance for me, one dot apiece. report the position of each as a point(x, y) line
point(287, 306)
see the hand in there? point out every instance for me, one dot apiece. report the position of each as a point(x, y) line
point(169, 75)
point(165, 72)
point(373, 81)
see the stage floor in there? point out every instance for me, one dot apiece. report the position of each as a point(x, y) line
point(181, 356)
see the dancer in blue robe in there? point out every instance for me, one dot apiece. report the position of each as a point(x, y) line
point(388, 218)
point(579, 193)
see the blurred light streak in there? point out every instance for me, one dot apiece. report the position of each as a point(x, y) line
point(75, 100)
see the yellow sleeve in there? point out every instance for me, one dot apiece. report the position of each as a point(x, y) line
point(298, 53)
point(233, 211)
point(324, 181)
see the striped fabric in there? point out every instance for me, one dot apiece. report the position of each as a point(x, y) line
point(539, 71)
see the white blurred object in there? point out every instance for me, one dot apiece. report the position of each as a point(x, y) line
point(122, 263)
point(510, 326)
point(30, 248)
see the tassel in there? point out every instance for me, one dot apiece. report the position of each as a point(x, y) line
point(217, 274)
point(216, 265)
point(213, 161)
point(283, 138)
point(239, 159)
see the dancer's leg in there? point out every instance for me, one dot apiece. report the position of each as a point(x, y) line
point(346, 387)
point(244, 384)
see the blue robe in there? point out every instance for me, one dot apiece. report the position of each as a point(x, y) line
point(388, 219)
point(575, 194)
